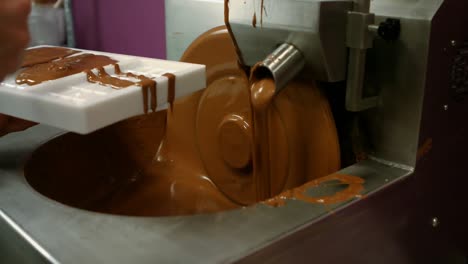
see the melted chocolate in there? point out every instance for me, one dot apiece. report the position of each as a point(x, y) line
point(85, 63)
point(254, 20)
point(115, 171)
point(353, 190)
point(45, 54)
point(262, 8)
point(103, 78)
point(146, 84)
point(121, 169)
point(262, 93)
point(62, 68)
point(289, 164)
point(170, 88)
point(228, 26)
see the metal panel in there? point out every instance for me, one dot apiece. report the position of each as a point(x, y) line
point(398, 72)
point(18, 247)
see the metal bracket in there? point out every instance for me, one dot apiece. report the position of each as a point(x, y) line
point(360, 35)
point(358, 38)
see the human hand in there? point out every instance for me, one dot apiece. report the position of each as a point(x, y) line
point(9, 124)
point(14, 33)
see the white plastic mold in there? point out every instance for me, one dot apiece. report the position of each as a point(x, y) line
point(74, 104)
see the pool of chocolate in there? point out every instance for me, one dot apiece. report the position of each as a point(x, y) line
point(200, 156)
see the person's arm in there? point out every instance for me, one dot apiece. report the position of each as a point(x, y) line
point(14, 38)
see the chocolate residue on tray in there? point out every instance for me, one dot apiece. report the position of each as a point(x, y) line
point(45, 54)
point(103, 78)
point(62, 68)
point(53, 70)
point(146, 83)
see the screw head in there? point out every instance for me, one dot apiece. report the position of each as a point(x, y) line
point(445, 107)
point(435, 222)
point(453, 43)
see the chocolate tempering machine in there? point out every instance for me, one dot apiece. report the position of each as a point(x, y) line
point(401, 67)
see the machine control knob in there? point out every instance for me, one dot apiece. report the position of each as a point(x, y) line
point(389, 29)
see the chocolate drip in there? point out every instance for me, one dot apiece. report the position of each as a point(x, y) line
point(171, 78)
point(262, 7)
point(144, 92)
point(146, 84)
point(228, 26)
point(262, 94)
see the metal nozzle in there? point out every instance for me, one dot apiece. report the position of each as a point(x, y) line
point(316, 27)
point(283, 64)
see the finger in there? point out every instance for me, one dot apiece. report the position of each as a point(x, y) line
point(13, 37)
point(23, 7)
point(11, 51)
point(15, 11)
point(10, 65)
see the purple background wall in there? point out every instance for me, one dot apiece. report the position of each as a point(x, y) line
point(128, 27)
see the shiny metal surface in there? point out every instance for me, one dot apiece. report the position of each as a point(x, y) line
point(355, 83)
point(283, 64)
point(397, 72)
point(75, 236)
point(359, 39)
point(317, 29)
point(16, 246)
